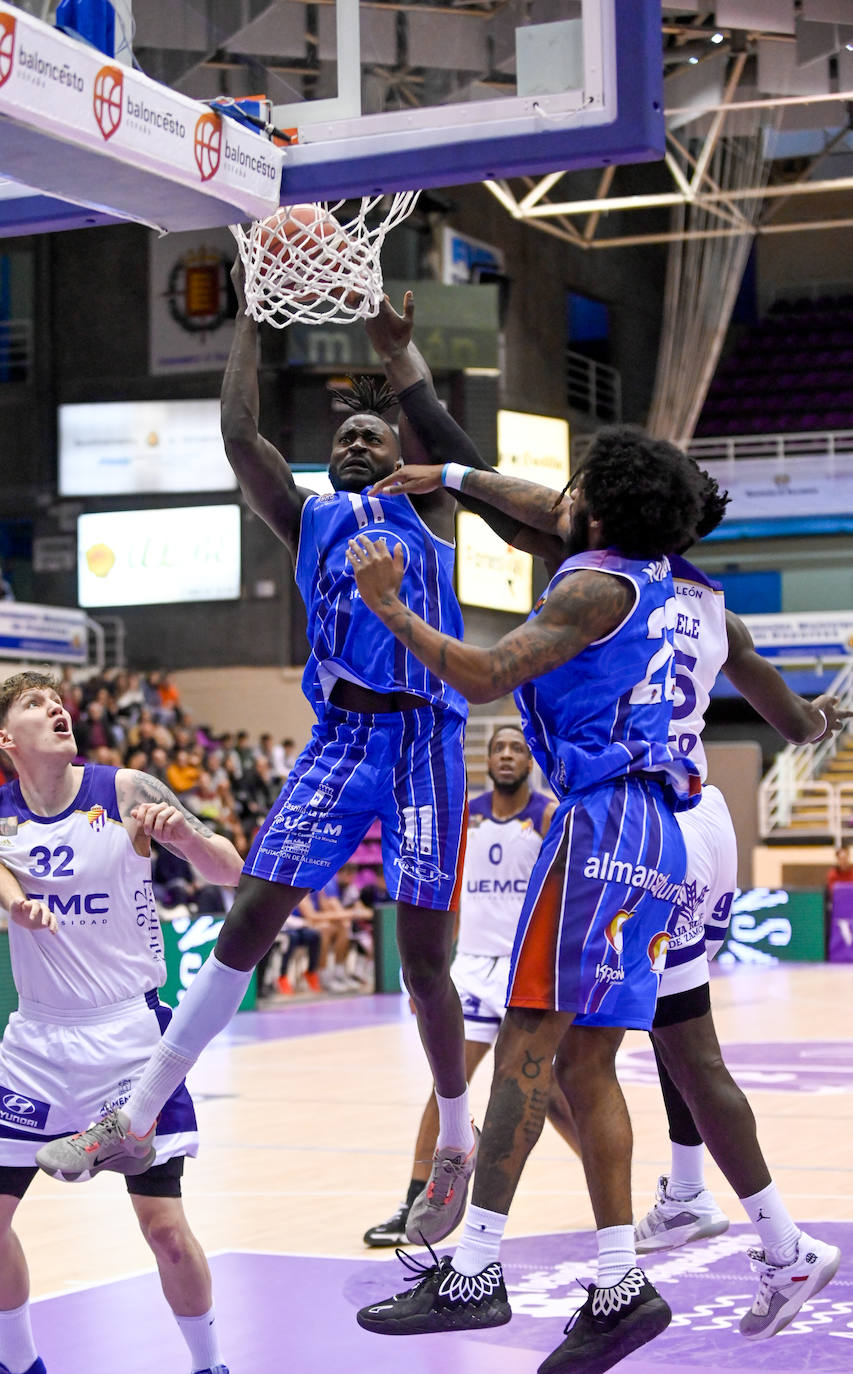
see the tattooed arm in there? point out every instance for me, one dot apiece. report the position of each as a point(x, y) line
point(584, 607)
point(150, 810)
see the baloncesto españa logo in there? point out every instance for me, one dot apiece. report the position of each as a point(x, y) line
point(7, 47)
point(107, 99)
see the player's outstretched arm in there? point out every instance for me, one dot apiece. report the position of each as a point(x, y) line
point(798, 720)
point(537, 507)
point(430, 434)
point(149, 809)
point(582, 608)
point(29, 912)
point(265, 478)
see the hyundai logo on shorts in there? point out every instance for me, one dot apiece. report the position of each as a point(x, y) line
point(19, 1106)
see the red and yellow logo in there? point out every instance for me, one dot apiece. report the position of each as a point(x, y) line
point(100, 559)
point(107, 99)
point(7, 46)
point(207, 144)
point(97, 817)
point(657, 950)
point(613, 930)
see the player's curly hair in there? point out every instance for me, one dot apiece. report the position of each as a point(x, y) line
point(714, 504)
point(646, 493)
point(18, 683)
point(367, 395)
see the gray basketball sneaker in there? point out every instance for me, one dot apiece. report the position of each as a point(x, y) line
point(438, 1209)
point(107, 1144)
point(672, 1221)
point(783, 1288)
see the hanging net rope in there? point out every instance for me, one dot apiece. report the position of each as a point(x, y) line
point(705, 267)
point(309, 264)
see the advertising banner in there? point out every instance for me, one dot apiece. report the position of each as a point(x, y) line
point(133, 448)
point(841, 924)
point(191, 305)
point(151, 557)
point(187, 941)
point(42, 632)
point(768, 925)
point(784, 489)
point(534, 448)
point(795, 636)
point(59, 87)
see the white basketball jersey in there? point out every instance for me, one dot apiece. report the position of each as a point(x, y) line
point(83, 865)
point(701, 649)
point(499, 859)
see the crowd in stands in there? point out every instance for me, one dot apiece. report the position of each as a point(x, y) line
point(136, 720)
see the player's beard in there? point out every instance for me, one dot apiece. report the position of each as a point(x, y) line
point(578, 540)
point(508, 789)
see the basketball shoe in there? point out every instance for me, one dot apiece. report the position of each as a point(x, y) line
point(676, 1221)
point(441, 1300)
point(783, 1288)
point(438, 1209)
point(217, 1369)
point(107, 1144)
point(37, 1367)
point(390, 1232)
point(612, 1322)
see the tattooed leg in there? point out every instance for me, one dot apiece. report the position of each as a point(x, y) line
point(586, 1070)
point(518, 1103)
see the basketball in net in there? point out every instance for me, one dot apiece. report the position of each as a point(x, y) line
point(308, 263)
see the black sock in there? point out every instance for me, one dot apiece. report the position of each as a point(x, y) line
point(416, 1186)
point(682, 1128)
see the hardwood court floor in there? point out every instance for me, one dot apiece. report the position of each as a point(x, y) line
point(307, 1116)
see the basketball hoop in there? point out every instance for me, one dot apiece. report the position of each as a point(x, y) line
point(308, 265)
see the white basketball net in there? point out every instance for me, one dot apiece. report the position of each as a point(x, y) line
point(321, 268)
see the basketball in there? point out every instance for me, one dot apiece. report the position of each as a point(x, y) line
point(304, 242)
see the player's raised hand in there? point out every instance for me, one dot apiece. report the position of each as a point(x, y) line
point(835, 718)
point(378, 573)
point(389, 332)
point(162, 821)
point(33, 914)
point(414, 479)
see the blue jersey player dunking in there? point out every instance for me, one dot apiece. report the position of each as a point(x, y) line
point(388, 743)
point(593, 673)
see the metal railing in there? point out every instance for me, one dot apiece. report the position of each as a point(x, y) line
point(16, 350)
point(812, 444)
point(106, 641)
point(794, 787)
point(593, 388)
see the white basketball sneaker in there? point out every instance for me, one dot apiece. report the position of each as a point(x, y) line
point(783, 1288)
point(676, 1221)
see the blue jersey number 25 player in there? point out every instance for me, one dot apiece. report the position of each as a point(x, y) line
point(593, 672)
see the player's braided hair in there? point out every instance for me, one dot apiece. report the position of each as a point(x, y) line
point(367, 395)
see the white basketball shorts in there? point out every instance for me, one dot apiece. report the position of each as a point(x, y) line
point(481, 981)
point(58, 1075)
point(709, 888)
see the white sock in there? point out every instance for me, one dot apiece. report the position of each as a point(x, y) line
point(202, 1337)
point(779, 1233)
point(616, 1254)
point(454, 1123)
point(17, 1347)
point(481, 1240)
point(688, 1171)
point(206, 1008)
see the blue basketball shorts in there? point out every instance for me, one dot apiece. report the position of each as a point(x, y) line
point(406, 768)
point(600, 907)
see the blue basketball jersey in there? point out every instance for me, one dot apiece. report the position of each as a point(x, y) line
point(347, 640)
point(606, 713)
